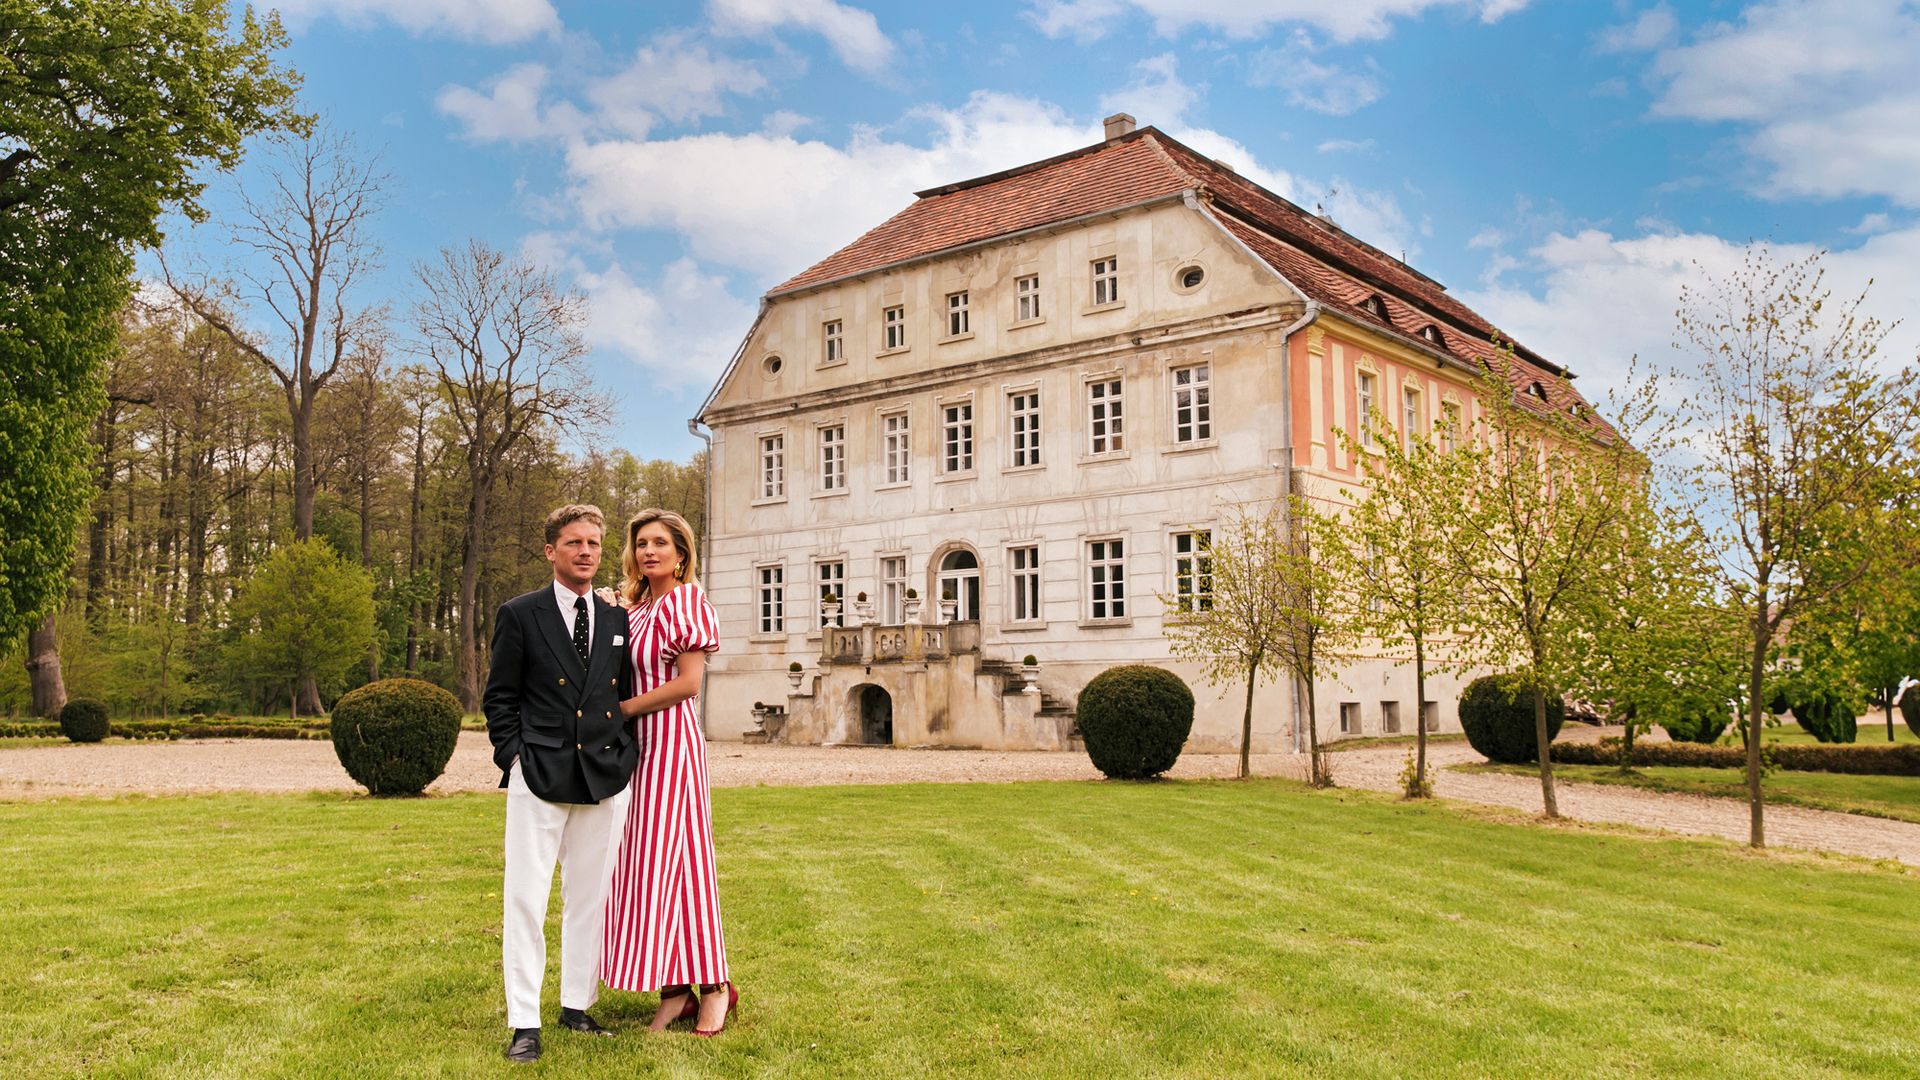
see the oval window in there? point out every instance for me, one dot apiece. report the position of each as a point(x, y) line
point(1190, 277)
point(770, 366)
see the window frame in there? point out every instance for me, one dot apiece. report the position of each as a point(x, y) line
point(890, 434)
point(1027, 308)
point(1412, 414)
point(1358, 723)
point(1111, 424)
point(1366, 381)
point(1199, 391)
point(957, 438)
point(1105, 558)
point(822, 581)
point(959, 317)
point(1024, 585)
point(831, 454)
point(893, 589)
point(1103, 275)
point(1194, 583)
point(1024, 442)
point(770, 599)
point(771, 474)
point(893, 328)
point(833, 342)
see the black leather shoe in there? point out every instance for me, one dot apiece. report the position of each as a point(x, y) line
point(578, 1020)
point(525, 1045)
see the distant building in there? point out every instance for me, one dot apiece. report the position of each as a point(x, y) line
point(1036, 392)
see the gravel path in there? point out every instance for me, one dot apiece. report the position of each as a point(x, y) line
point(262, 765)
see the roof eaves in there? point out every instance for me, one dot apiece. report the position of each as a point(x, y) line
point(726, 373)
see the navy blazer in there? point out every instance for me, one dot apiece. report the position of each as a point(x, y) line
point(560, 718)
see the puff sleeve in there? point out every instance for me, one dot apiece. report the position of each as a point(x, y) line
point(692, 625)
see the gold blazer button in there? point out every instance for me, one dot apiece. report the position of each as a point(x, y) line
point(563, 682)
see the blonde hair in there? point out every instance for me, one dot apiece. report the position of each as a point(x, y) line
point(570, 513)
point(633, 584)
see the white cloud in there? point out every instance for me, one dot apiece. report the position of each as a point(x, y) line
point(1651, 29)
point(1156, 95)
point(1324, 88)
point(1344, 20)
point(1345, 146)
point(1829, 90)
point(671, 77)
point(1600, 299)
point(510, 110)
point(773, 204)
point(495, 22)
point(683, 326)
point(853, 32)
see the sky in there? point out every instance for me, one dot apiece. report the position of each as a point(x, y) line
point(1563, 168)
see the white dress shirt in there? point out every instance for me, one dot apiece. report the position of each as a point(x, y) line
point(565, 598)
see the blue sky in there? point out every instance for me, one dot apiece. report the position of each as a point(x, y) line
point(1562, 167)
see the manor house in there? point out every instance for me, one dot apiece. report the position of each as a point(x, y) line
point(1005, 423)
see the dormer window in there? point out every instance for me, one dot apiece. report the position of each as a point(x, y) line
point(1374, 306)
point(1431, 334)
point(1538, 391)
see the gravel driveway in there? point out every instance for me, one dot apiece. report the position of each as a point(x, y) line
point(263, 765)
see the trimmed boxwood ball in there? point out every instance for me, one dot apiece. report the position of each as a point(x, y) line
point(1496, 712)
point(84, 720)
point(1828, 717)
point(1703, 727)
point(395, 736)
point(1910, 708)
point(1134, 720)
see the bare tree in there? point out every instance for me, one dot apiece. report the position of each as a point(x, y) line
point(1800, 446)
point(504, 342)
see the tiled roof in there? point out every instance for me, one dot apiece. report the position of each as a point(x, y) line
point(1333, 268)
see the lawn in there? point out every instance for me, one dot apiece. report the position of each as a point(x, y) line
point(1036, 930)
point(1871, 733)
point(1895, 797)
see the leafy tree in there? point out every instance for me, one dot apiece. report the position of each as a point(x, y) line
point(108, 109)
point(1409, 593)
point(1800, 447)
point(1546, 491)
point(306, 616)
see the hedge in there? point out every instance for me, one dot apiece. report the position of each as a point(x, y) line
point(1133, 720)
point(395, 736)
point(1871, 759)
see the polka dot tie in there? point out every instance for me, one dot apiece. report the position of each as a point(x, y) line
point(580, 627)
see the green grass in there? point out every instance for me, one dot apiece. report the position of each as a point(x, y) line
point(1375, 742)
point(1896, 797)
point(1874, 733)
point(1037, 930)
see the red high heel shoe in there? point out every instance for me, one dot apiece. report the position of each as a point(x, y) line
point(689, 1006)
point(733, 1005)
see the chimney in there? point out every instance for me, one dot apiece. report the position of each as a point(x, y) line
point(1119, 124)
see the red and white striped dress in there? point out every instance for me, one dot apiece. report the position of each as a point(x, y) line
point(663, 914)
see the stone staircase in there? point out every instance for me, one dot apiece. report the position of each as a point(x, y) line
point(1012, 682)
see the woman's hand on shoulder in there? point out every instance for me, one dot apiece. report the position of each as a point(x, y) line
point(611, 597)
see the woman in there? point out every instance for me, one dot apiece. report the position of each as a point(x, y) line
point(663, 914)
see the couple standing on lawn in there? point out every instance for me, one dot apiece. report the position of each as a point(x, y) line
point(591, 708)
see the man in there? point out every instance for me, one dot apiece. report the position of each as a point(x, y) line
point(566, 757)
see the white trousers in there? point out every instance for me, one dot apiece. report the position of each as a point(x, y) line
point(584, 839)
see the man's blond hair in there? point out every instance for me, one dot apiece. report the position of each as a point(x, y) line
point(570, 513)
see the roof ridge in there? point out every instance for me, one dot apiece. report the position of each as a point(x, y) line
point(1029, 167)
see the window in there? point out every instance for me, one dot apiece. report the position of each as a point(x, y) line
point(1106, 281)
point(956, 314)
point(1023, 410)
point(1193, 571)
point(893, 590)
point(1349, 718)
point(1025, 561)
point(896, 447)
point(833, 458)
point(1107, 579)
point(1105, 430)
point(956, 438)
point(773, 466)
point(1026, 291)
point(1432, 334)
point(1538, 390)
point(895, 319)
point(1376, 573)
point(773, 600)
point(1450, 430)
point(1409, 416)
point(832, 344)
point(1430, 715)
point(1374, 306)
point(1189, 278)
point(1390, 717)
point(1192, 403)
point(1363, 394)
point(831, 580)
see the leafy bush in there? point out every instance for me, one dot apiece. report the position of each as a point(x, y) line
point(1496, 712)
point(1827, 717)
point(1704, 727)
point(1910, 709)
point(84, 720)
point(1876, 759)
point(30, 729)
point(395, 736)
point(1134, 720)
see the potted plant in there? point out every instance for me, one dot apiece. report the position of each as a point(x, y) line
point(949, 604)
point(759, 716)
point(830, 607)
point(862, 609)
point(795, 673)
point(911, 605)
point(1030, 671)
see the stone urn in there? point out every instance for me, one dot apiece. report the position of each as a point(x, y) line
point(910, 607)
point(1030, 674)
point(949, 607)
point(830, 609)
point(794, 675)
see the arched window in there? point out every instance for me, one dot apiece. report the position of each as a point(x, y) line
point(960, 576)
point(1374, 306)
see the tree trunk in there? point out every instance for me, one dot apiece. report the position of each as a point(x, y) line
point(1316, 773)
point(300, 408)
point(469, 589)
point(98, 529)
point(415, 610)
point(1246, 718)
point(1886, 696)
point(1756, 674)
point(1626, 742)
point(43, 671)
point(1543, 741)
point(1419, 718)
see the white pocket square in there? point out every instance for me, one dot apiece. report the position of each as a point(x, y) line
point(619, 639)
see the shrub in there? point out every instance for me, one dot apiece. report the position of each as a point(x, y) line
point(1030, 660)
point(1827, 717)
point(795, 666)
point(1496, 712)
point(1134, 720)
point(1704, 727)
point(395, 736)
point(1910, 709)
point(1877, 759)
point(84, 720)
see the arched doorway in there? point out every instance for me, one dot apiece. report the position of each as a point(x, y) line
point(876, 716)
point(960, 575)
